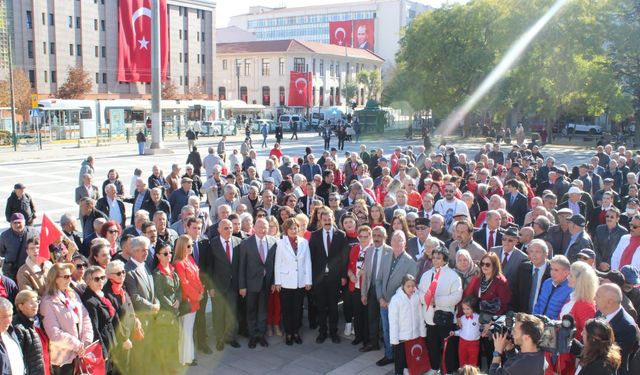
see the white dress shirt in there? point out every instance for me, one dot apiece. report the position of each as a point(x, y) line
point(224, 247)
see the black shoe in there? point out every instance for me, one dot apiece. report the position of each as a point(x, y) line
point(369, 348)
point(321, 337)
point(335, 338)
point(205, 349)
point(384, 361)
point(194, 363)
point(356, 341)
point(263, 342)
point(252, 343)
point(289, 340)
point(313, 326)
point(297, 339)
point(234, 344)
point(220, 346)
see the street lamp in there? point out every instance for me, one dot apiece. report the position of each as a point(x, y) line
point(238, 78)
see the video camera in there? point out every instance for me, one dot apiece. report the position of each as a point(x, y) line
point(557, 335)
point(503, 324)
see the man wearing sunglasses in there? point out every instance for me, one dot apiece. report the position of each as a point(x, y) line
point(510, 256)
point(626, 253)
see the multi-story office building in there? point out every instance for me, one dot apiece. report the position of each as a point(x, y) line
point(312, 23)
point(50, 36)
point(259, 72)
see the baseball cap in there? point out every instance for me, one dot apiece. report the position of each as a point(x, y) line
point(19, 185)
point(587, 253)
point(578, 220)
point(16, 216)
point(631, 274)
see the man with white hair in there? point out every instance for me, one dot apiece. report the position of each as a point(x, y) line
point(273, 172)
point(213, 186)
point(210, 161)
point(229, 197)
point(112, 206)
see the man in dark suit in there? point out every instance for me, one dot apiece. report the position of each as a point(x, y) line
point(139, 284)
point(305, 203)
point(141, 195)
point(579, 238)
point(221, 266)
point(606, 238)
point(401, 203)
point(517, 203)
point(112, 206)
point(609, 305)
point(88, 214)
point(417, 244)
point(490, 234)
point(574, 203)
point(510, 256)
point(329, 250)
point(530, 276)
point(255, 279)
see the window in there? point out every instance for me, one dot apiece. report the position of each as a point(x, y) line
point(78, 23)
point(202, 37)
point(224, 64)
point(78, 49)
point(186, 58)
point(298, 64)
point(186, 81)
point(266, 69)
point(70, 22)
point(266, 96)
point(44, 19)
point(29, 20)
point(202, 59)
point(331, 72)
point(281, 95)
point(30, 49)
point(247, 67)
point(185, 34)
point(198, 37)
point(180, 57)
point(243, 94)
point(32, 78)
point(96, 50)
point(46, 76)
point(314, 66)
point(180, 80)
point(180, 34)
point(104, 52)
point(95, 24)
point(52, 48)
point(337, 69)
point(54, 76)
point(44, 47)
point(198, 58)
point(222, 93)
point(321, 68)
point(70, 49)
point(97, 77)
point(281, 66)
point(180, 11)
point(104, 78)
point(102, 25)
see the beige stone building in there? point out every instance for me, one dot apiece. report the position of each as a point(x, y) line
point(258, 72)
point(50, 36)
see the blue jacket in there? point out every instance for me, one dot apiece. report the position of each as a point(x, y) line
point(550, 301)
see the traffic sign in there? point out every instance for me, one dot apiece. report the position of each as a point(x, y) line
point(34, 101)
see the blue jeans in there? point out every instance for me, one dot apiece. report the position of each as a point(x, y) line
point(141, 148)
point(384, 317)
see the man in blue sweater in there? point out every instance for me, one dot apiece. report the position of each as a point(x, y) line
point(555, 291)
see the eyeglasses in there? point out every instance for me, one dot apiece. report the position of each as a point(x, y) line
point(119, 273)
point(449, 191)
point(165, 254)
point(112, 231)
point(99, 278)
point(66, 277)
point(261, 215)
point(486, 264)
point(81, 265)
point(421, 227)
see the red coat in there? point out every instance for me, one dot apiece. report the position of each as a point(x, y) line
point(582, 311)
point(190, 283)
point(499, 288)
point(353, 265)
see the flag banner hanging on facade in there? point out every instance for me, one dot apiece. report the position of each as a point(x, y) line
point(134, 40)
point(300, 89)
point(363, 34)
point(340, 33)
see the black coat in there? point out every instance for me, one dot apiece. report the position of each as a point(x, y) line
point(336, 261)
point(218, 273)
point(480, 236)
point(124, 320)
point(101, 321)
point(29, 343)
point(598, 367)
point(24, 206)
point(103, 205)
point(522, 286)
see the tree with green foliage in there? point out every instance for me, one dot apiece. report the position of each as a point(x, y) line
point(371, 80)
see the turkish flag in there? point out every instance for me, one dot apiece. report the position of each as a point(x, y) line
point(300, 88)
point(340, 33)
point(417, 357)
point(49, 234)
point(93, 360)
point(134, 40)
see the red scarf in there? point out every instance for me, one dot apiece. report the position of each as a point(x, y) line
point(118, 291)
point(294, 243)
point(428, 297)
point(109, 305)
point(3, 290)
point(68, 305)
point(629, 251)
point(163, 271)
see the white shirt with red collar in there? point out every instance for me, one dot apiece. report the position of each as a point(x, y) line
point(470, 330)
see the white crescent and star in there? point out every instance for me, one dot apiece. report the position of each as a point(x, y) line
point(340, 30)
point(419, 354)
point(140, 12)
point(303, 80)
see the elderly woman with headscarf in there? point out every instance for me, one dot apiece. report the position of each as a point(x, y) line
point(465, 267)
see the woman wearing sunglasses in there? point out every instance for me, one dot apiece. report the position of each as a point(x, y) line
point(65, 319)
point(101, 311)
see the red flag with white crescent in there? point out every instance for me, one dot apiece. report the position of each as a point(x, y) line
point(134, 40)
point(415, 351)
point(340, 33)
point(300, 89)
point(92, 362)
point(49, 234)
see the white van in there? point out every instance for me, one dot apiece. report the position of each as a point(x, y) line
point(284, 121)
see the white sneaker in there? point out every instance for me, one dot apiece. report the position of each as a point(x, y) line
point(353, 330)
point(347, 329)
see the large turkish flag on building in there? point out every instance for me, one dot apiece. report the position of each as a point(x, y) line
point(300, 89)
point(134, 40)
point(340, 33)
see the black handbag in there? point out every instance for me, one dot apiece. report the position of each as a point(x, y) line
point(184, 308)
point(442, 318)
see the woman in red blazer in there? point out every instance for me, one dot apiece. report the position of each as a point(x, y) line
point(192, 293)
point(491, 289)
point(581, 306)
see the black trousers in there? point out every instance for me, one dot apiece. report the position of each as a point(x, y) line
point(224, 315)
point(242, 316)
point(399, 359)
point(360, 321)
point(486, 351)
point(326, 294)
point(373, 317)
point(435, 345)
point(340, 143)
point(63, 370)
point(312, 312)
point(200, 325)
point(257, 312)
point(291, 306)
point(327, 141)
point(347, 304)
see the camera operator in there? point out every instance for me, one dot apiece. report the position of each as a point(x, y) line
point(529, 360)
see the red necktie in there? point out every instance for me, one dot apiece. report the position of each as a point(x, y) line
point(491, 241)
point(262, 255)
point(504, 261)
point(228, 251)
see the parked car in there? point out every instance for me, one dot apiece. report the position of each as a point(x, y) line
point(302, 122)
point(257, 125)
point(573, 128)
point(219, 128)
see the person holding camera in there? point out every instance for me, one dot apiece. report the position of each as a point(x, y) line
point(529, 360)
point(600, 353)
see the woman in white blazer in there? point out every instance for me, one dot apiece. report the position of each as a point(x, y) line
point(405, 321)
point(447, 294)
point(292, 277)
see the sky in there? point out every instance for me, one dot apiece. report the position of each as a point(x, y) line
point(227, 8)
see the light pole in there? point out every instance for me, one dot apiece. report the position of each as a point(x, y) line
point(13, 99)
point(238, 80)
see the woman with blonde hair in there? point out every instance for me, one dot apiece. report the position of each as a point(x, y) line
point(192, 292)
point(65, 319)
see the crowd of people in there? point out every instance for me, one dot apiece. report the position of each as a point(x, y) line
point(411, 244)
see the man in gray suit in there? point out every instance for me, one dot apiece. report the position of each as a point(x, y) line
point(393, 267)
point(87, 189)
point(416, 245)
point(371, 268)
point(257, 257)
point(510, 256)
point(139, 283)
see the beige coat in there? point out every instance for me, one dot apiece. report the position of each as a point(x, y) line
point(31, 275)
